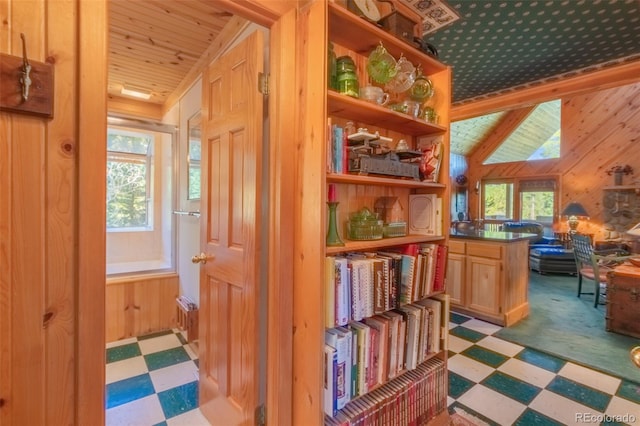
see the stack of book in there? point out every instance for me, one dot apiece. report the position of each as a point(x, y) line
point(358, 286)
point(363, 355)
point(412, 399)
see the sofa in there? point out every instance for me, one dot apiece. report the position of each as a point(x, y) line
point(546, 254)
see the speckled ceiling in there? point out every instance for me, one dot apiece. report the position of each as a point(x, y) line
point(496, 46)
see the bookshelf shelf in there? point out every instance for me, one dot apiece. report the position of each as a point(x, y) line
point(378, 244)
point(366, 112)
point(381, 181)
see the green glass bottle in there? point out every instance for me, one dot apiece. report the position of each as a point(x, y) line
point(332, 68)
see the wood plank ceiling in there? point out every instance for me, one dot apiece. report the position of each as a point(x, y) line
point(153, 44)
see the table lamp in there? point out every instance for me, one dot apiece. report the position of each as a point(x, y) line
point(574, 211)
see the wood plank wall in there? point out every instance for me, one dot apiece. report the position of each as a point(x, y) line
point(140, 305)
point(599, 130)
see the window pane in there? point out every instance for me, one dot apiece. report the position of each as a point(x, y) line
point(122, 141)
point(498, 201)
point(126, 194)
point(194, 150)
point(194, 181)
point(537, 206)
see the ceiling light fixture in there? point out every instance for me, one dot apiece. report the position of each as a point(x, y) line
point(135, 92)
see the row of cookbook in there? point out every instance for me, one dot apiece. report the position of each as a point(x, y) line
point(360, 285)
point(364, 355)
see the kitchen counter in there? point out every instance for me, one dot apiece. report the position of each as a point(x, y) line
point(488, 275)
point(498, 236)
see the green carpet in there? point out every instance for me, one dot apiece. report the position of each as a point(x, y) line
point(562, 324)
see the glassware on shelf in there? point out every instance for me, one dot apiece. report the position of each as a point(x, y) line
point(364, 225)
point(347, 79)
point(381, 65)
point(332, 65)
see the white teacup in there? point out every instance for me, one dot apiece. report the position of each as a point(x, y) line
point(374, 94)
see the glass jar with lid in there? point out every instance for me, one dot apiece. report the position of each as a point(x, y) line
point(347, 79)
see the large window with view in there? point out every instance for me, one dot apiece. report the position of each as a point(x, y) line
point(537, 200)
point(497, 200)
point(516, 199)
point(140, 198)
point(129, 156)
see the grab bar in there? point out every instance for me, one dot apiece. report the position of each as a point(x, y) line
point(185, 213)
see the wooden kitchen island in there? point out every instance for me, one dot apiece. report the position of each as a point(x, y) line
point(488, 275)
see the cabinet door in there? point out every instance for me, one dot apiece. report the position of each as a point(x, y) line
point(455, 278)
point(483, 278)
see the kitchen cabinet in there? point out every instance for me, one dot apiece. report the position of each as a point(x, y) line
point(488, 274)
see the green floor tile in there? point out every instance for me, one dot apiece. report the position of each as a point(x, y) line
point(510, 386)
point(128, 390)
point(531, 417)
point(467, 334)
point(458, 385)
point(179, 400)
point(485, 356)
point(629, 390)
point(166, 358)
point(119, 353)
point(457, 318)
point(584, 395)
point(542, 360)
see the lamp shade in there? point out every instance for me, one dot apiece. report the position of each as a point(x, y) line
point(635, 231)
point(575, 209)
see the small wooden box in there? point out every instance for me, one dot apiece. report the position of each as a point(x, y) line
point(188, 321)
point(623, 301)
point(400, 25)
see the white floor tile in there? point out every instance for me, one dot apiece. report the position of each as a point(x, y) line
point(121, 342)
point(486, 402)
point(469, 368)
point(628, 411)
point(450, 400)
point(481, 326)
point(160, 343)
point(124, 369)
point(527, 372)
point(561, 409)
point(457, 345)
point(141, 412)
point(190, 418)
point(501, 346)
point(588, 377)
point(174, 375)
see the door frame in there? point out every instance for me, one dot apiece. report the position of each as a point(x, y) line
point(281, 19)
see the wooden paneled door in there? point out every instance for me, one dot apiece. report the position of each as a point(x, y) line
point(230, 235)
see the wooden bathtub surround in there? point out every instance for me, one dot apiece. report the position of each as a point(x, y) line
point(140, 305)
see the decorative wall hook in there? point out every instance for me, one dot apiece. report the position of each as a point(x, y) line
point(26, 86)
point(25, 80)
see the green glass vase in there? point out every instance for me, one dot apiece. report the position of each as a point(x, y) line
point(333, 239)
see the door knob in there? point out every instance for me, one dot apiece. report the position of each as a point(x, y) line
point(201, 258)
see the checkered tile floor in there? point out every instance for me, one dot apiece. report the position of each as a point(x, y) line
point(152, 380)
point(501, 383)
